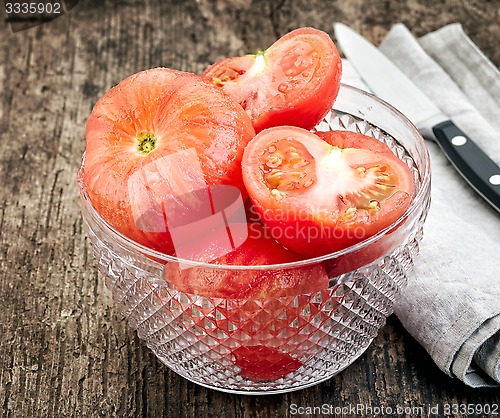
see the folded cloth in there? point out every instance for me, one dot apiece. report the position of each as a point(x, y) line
point(452, 302)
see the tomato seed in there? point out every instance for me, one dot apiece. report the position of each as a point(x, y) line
point(274, 179)
point(273, 161)
point(374, 205)
point(277, 194)
point(282, 168)
point(361, 172)
point(349, 214)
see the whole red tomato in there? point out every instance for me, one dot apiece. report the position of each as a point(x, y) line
point(153, 140)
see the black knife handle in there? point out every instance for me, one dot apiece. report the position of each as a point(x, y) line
point(480, 171)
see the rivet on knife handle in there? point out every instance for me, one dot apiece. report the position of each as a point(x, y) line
point(480, 171)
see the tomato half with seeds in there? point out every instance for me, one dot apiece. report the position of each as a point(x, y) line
point(155, 138)
point(321, 193)
point(294, 82)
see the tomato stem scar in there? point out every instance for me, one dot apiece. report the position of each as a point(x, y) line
point(333, 159)
point(146, 142)
point(259, 65)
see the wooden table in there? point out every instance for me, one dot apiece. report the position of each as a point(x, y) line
point(65, 351)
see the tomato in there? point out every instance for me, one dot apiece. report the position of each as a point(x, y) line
point(321, 193)
point(294, 82)
point(259, 249)
point(261, 363)
point(259, 307)
point(160, 135)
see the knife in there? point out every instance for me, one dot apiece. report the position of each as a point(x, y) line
point(387, 82)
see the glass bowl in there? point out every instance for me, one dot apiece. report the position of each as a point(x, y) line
point(277, 344)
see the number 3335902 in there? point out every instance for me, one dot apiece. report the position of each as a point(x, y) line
point(33, 8)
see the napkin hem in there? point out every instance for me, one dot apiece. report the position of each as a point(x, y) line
point(458, 55)
point(482, 58)
point(462, 365)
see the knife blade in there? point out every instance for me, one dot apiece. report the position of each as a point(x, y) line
point(390, 84)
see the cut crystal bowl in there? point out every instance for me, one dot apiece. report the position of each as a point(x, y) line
point(277, 344)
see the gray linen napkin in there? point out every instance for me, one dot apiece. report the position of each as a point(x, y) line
point(452, 302)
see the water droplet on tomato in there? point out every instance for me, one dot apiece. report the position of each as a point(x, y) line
point(283, 87)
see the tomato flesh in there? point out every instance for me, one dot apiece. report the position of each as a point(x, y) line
point(259, 249)
point(261, 363)
point(294, 82)
point(321, 193)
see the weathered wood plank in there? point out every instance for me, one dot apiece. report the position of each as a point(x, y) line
point(64, 349)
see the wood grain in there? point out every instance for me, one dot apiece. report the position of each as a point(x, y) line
point(65, 351)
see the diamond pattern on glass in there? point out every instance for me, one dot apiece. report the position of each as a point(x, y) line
point(312, 337)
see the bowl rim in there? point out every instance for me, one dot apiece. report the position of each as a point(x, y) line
point(416, 203)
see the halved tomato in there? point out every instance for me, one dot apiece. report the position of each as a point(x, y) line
point(294, 82)
point(320, 193)
point(152, 141)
